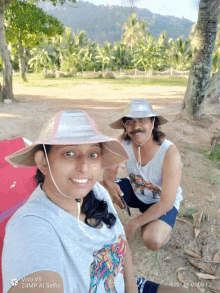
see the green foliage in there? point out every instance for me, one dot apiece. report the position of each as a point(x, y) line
point(1, 65)
point(180, 54)
point(134, 31)
point(28, 23)
point(215, 154)
point(214, 178)
point(41, 60)
point(149, 55)
point(74, 52)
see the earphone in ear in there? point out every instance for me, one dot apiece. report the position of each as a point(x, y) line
point(78, 199)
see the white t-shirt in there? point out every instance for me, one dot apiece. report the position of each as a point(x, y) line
point(42, 236)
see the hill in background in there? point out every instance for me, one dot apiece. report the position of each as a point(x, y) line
point(103, 23)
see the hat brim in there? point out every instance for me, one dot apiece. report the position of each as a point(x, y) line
point(113, 153)
point(118, 124)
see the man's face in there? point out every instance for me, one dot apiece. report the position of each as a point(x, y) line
point(139, 129)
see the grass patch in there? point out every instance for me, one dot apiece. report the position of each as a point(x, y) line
point(155, 258)
point(188, 213)
point(37, 80)
point(158, 81)
point(215, 180)
point(215, 154)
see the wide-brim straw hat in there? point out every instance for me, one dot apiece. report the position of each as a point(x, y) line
point(137, 108)
point(68, 128)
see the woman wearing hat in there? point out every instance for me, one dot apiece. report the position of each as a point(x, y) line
point(67, 237)
point(154, 171)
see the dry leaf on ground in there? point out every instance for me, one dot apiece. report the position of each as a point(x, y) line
point(197, 217)
point(192, 253)
point(201, 265)
point(181, 278)
point(216, 257)
point(198, 220)
point(197, 231)
point(183, 221)
point(215, 285)
point(180, 269)
point(206, 276)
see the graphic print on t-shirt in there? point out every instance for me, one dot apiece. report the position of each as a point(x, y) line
point(108, 263)
point(137, 181)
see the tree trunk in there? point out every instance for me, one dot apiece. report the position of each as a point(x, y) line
point(203, 45)
point(7, 68)
point(22, 61)
point(214, 88)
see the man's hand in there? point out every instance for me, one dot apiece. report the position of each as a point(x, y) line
point(114, 191)
point(130, 229)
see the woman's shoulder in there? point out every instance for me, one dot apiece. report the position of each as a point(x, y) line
point(101, 192)
point(166, 142)
point(33, 210)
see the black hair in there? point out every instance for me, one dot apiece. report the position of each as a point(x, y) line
point(92, 207)
point(158, 135)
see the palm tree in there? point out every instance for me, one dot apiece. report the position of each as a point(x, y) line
point(213, 92)
point(180, 53)
point(103, 55)
point(203, 46)
point(149, 54)
point(41, 59)
point(134, 31)
point(120, 55)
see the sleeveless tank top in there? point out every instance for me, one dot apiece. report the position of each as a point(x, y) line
point(147, 181)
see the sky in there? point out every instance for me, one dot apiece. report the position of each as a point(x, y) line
point(185, 8)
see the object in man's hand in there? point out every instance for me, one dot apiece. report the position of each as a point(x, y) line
point(215, 140)
point(126, 206)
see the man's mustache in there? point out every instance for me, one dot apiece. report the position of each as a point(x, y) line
point(137, 131)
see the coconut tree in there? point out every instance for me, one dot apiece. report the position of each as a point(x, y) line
point(213, 92)
point(134, 30)
point(104, 55)
point(149, 54)
point(42, 59)
point(180, 53)
point(120, 55)
point(203, 46)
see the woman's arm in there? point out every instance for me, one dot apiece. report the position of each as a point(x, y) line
point(40, 282)
point(130, 283)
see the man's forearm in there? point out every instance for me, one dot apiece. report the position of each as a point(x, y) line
point(151, 214)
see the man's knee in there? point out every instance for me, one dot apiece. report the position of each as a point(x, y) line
point(153, 243)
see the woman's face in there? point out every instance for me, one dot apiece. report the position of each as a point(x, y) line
point(75, 169)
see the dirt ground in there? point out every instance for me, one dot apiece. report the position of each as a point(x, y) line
point(200, 178)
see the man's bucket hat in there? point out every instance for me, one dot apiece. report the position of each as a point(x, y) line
point(137, 108)
point(68, 128)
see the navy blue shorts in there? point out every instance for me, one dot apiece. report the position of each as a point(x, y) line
point(145, 286)
point(133, 202)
